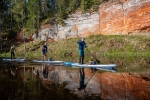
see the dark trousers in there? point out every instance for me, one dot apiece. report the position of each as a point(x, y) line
point(81, 59)
point(12, 55)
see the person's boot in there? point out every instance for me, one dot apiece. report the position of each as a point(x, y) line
point(80, 60)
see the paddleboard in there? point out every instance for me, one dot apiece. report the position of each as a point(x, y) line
point(98, 68)
point(102, 66)
point(51, 62)
point(110, 70)
point(69, 64)
point(17, 59)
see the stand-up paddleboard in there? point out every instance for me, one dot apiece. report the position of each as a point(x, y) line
point(110, 70)
point(47, 61)
point(102, 66)
point(69, 64)
point(14, 60)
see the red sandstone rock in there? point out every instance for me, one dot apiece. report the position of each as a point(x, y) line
point(131, 16)
point(115, 17)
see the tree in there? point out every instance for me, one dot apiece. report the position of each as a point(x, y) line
point(5, 15)
point(32, 16)
point(28, 14)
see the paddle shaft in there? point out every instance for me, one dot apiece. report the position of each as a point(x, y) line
point(93, 56)
point(90, 77)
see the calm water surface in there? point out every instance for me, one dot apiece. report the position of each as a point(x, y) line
point(42, 81)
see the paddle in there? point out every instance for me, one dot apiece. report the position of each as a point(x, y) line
point(97, 61)
point(90, 78)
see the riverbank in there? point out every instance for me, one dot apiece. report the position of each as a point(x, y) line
point(98, 45)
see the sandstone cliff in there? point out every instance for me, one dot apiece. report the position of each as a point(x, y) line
point(125, 17)
point(113, 17)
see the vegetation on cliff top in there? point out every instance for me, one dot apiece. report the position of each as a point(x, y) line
point(29, 15)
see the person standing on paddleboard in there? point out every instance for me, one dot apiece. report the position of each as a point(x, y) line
point(44, 51)
point(81, 46)
point(12, 51)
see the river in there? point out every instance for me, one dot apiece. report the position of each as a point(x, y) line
point(42, 81)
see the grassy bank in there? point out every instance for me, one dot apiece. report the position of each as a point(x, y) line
point(98, 45)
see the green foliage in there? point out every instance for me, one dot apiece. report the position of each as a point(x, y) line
point(32, 16)
point(18, 14)
point(18, 10)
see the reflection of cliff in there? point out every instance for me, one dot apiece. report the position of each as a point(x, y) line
point(125, 85)
point(114, 86)
point(132, 86)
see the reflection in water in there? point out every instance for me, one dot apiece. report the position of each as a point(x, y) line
point(113, 86)
point(30, 87)
point(45, 70)
point(81, 80)
point(13, 69)
point(82, 84)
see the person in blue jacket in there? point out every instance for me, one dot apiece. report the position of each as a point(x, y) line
point(44, 51)
point(81, 46)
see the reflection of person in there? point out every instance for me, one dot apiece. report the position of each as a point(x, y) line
point(81, 80)
point(81, 46)
point(13, 69)
point(91, 62)
point(44, 51)
point(45, 71)
point(12, 51)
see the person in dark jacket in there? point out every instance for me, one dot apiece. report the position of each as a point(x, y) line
point(81, 46)
point(44, 51)
point(12, 51)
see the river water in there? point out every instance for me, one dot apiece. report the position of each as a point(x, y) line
point(42, 81)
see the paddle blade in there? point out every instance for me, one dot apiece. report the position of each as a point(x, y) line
point(97, 61)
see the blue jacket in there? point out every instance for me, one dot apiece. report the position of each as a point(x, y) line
point(44, 48)
point(81, 45)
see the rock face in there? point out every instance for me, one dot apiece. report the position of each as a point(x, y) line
point(76, 25)
point(113, 17)
point(125, 17)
